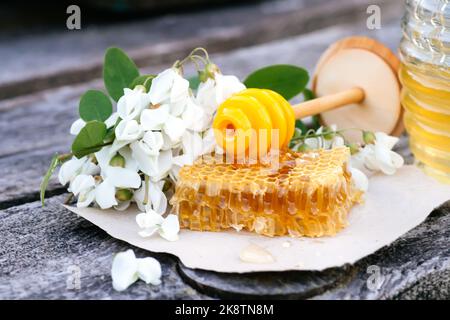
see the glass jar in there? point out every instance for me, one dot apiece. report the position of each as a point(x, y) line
point(425, 76)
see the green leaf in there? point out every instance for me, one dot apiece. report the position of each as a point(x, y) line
point(95, 105)
point(45, 180)
point(111, 133)
point(144, 80)
point(90, 139)
point(119, 71)
point(287, 80)
point(194, 82)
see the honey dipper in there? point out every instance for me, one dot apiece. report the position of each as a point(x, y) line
point(356, 86)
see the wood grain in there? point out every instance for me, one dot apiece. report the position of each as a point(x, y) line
point(63, 57)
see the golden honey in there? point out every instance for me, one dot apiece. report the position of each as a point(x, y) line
point(307, 194)
point(427, 120)
point(425, 76)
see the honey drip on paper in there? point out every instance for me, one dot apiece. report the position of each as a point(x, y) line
point(255, 254)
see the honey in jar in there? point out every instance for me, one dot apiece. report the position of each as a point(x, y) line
point(425, 76)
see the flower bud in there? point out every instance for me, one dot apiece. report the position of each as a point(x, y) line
point(124, 194)
point(354, 148)
point(140, 87)
point(210, 70)
point(369, 137)
point(304, 147)
point(301, 147)
point(328, 134)
point(117, 161)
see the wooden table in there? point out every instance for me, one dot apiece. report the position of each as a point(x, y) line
point(41, 249)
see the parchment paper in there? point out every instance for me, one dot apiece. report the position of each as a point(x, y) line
point(393, 206)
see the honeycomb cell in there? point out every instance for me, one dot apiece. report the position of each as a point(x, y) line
point(307, 194)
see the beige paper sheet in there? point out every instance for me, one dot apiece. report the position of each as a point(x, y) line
point(393, 206)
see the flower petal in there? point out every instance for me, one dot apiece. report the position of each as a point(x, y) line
point(131, 104)
point(157, 197)
point(175, 128)
point(124, 270)
point(70, 169)
point(105, 195)
point(85, 198)
point(161, 85)
point(154, 119)
point(149, 219)
point(122, 206)
point(128, 130)
point(76, 127)
point(359, 179)
point(81, 183)
point(170, 228)
point(130, 162)
point(226, 86)
point(196, 118)
point(148, 232)
point(180, 89)
point(383, 160)
point(123, 178)
point(385, 140)
point(111, 121)
point(149, 270)
point(146, 163)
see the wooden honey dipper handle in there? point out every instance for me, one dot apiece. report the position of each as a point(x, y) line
point(326, 103)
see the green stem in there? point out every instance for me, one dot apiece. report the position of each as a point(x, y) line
point(64, 157)
point(318, 135)
point(146, 190)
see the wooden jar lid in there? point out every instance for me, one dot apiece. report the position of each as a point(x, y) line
point(365, 63)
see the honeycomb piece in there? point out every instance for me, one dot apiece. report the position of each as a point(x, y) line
point(308, 194)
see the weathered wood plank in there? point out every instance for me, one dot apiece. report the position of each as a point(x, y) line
point(33, 127)
point(416, 266)
point(42, 245)
point(63, 57)
point(42, 248)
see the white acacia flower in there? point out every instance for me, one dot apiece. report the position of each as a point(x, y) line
point(152, 222)
point(209, 143)
point(80, 183)
point(76, 126)
point(113, 178)
point(213, 92)
point(128, 130)
point(154, 119)
point(149, 270)
point(156, 199)
point(360, 180)
point(195, 118)
point(73, 167)
point(83, 186)
point(379, 156)
point(105, 195)
point(111, 121)
point(152, 142)
point(131, 104)
point(126, 269)
point(174, 127)
point(155, 166)
point(169, 87)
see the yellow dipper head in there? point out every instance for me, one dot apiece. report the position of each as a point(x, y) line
point(253, 121)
